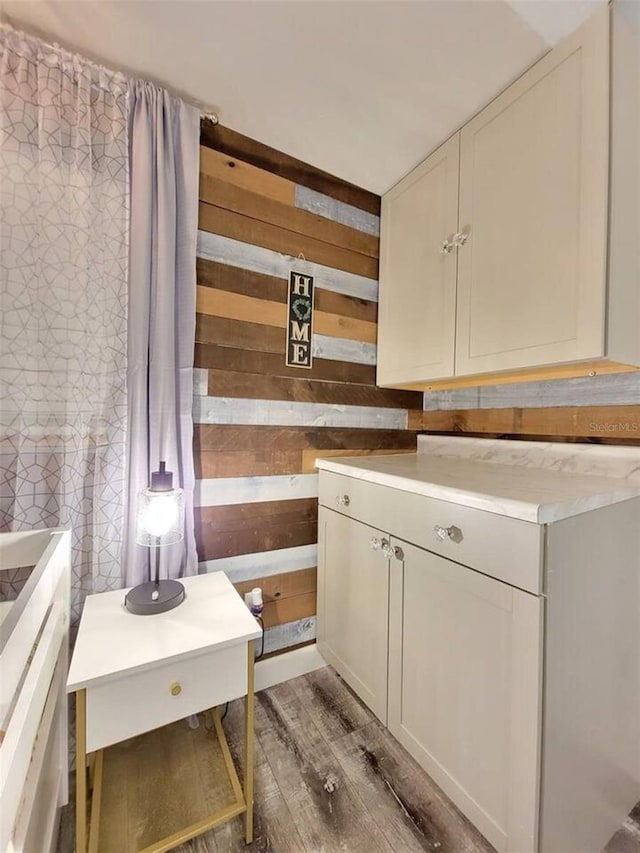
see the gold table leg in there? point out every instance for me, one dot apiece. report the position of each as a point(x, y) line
point(81, 771)
point(248, 743)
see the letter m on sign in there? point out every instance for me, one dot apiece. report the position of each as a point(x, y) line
point(299, 320)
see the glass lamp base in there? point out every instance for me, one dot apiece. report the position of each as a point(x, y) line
point(149, 598)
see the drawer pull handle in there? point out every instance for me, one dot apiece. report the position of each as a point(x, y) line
point(343, 500)
point(443, 533)
point(175, 689)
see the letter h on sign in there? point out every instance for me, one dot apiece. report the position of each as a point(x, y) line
point(299, 320)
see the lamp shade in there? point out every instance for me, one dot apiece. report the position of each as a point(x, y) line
point(160, 517)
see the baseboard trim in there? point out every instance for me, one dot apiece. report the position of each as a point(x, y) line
point(288, 665)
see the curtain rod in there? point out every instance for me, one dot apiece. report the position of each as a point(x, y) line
point(206, 113)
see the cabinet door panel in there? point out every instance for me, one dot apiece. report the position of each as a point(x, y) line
point(464, 690)
point(353, 606)
point(533, 194)
point(416, 322)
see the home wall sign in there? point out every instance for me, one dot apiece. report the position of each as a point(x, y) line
point(299, 320)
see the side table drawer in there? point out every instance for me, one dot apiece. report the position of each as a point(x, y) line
point(147, 699)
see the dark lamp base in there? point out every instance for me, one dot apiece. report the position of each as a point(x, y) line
point(140, 600)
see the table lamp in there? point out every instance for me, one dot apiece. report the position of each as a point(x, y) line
point(159, 522)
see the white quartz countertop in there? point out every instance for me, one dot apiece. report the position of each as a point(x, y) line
point(536, 494)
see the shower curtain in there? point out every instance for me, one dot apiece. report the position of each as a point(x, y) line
point(66, 332)
point(64, 202)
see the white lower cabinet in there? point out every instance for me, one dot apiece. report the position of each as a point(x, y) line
point(464, 687)
point(353, 606)
point(501, 653)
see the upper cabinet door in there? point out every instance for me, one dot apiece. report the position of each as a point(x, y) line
point(416, 323)
point(533, 199)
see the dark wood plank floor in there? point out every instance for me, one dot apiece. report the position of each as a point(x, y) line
point(330, 778)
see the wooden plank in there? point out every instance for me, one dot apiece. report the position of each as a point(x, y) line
point(216, 165)
point(338, 211)
point(153, 810)
point(226, 383)
point(238, 410)
point(210, 464)
point(618, 389)
point(619, 422)
point(248, 202)
point(252, 283)
point(251, 337)
point(285, 585)
point(342, 349)
point(336, 711)
point(277, 536)
point(236, 517)
point(286, 610)
point(237, 280)
point(261, 564)
point(285, 637)
point(239, 490)
point(274, 828)
point(263, 361)
point(200, 382)
point(248, 150)
point(226, 250)
point(330, 813)
point(217, 220)
point(223, 437)
point(236, 306)
point(535, 374)
point(309, 456)
point(411, 809)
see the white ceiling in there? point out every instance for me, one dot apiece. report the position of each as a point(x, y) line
point(361, 89)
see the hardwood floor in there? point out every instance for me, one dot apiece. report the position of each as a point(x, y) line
point(330, 778)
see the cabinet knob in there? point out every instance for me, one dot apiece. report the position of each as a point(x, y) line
point(379, 544)
point(460, 238)
point(175, 689)
point(447, 247)
point(443, 533)
point(343, 500)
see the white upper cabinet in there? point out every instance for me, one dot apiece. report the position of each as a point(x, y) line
point(533, 198)
point(526, 230)
point(417, 312)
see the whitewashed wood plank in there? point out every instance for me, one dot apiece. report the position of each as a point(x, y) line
point(263, 564)
point(200, 381)
point(338, 211)
point(239, 410)
point(225, 491)
point(343, 349)
point(615, 389)
point(235, 253)
point(289, 634)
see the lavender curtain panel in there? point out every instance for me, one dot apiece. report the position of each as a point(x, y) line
point(165, 136)
point(64, 247)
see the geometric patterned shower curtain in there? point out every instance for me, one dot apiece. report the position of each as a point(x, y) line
point(64, 248)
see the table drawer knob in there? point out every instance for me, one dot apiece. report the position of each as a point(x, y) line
point(175, 689)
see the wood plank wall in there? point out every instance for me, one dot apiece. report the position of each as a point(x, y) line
point(599, 409)
point(259, 425)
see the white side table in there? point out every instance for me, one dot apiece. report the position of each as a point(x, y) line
point(132, 674)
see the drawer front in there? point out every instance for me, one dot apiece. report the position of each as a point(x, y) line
point(148, 699)
point(508, 549)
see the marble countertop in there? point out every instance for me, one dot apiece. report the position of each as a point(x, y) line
point(531, 481)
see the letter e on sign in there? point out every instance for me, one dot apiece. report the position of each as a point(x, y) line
point(299, 320)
